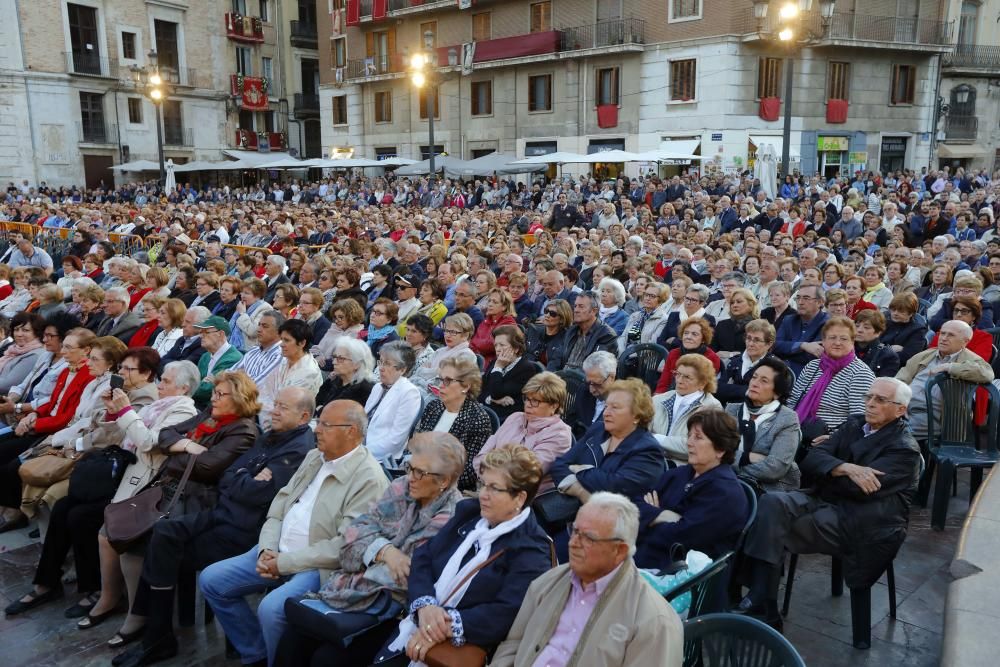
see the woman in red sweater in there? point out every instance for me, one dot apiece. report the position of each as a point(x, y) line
point(499, 311)
point(695, 336)
point(854, 286)
point(35, 425)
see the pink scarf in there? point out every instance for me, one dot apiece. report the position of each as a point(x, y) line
point(15, 351)
point(809, 403)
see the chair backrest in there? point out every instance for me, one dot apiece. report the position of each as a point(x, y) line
point(955, 424)
point(642, 361)
point(709, 584)
point(923, 305)
point(731, 640)
point(751, 518)
point(420, 413)
point(575, 382)
point(494, 417)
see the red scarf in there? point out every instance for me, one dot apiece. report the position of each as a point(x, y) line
point(210, 426)
point(143, 334)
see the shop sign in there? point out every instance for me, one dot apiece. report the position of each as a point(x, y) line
point(832, 144)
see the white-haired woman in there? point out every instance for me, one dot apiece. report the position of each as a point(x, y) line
point(353, 364)
point(612, 297)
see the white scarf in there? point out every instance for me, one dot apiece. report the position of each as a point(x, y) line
point(608, 312)
point(766, 411)
point(444, 589)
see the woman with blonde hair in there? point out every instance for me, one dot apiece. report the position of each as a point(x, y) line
point(150, 329)
point(694, 384)
point(499, 312)
point(729, 333)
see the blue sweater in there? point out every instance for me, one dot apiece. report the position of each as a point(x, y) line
point(631, 470)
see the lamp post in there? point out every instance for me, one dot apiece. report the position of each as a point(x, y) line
point(149, 81)
point(792, 44)
point(423, 74)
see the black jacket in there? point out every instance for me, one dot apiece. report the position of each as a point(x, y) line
point(472, 427)
point(497, 385)
point(244, 501)
point(540, 346)
point(912, 336)
point(733, 383)
point(875, 525)
point(179, 353)
point(600, 337)
point(879, 357)
point(272, 288)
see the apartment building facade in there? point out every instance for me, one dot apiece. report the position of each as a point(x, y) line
point(969, 126)
point(530, 78)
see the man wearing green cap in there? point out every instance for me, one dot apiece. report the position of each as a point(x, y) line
point(219, 355)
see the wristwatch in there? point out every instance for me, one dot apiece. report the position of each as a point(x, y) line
point(18, 407)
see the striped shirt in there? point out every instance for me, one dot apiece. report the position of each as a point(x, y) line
point(844, 396)
point(258, 363)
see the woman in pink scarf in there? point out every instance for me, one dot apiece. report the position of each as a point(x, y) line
point(21, 356)
point(831, 388)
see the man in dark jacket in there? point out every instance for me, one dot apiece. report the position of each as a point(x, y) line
point(188, 347)
point(586, 336)
point(600, 370)
point(798, 336)
point(247, 487)
point(564, 215)
point(866, 474)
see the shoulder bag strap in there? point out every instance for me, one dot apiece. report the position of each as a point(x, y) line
point(472, 574)
point(181, 485)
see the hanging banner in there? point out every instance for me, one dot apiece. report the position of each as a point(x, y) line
point(468, 57)
point(353, 12)
point(338, 22)
point(252, 92)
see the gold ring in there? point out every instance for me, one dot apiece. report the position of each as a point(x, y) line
point(418, 647)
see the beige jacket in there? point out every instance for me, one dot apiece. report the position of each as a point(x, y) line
point(630, 626)
point(349, 492)
point(968, 366)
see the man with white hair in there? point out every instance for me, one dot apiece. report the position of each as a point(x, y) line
point(274, 270)
point(119, 323)
point(600, 370)
point(858, 508)
point(597, 609)
point(950, 356)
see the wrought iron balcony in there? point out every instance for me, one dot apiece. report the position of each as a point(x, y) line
point(303, 34)
point(961, 129)
point(97, 132)
point(90, 64)
point(974, 56)
point(852, 26)
point(306, 105)
point(241, 28)
point(606, 33)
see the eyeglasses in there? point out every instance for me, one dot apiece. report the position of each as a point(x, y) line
point(806, 297)
point(493, 489)
point(692, 299)
point(880, 400)
point(419, 473)
point(961, 311)
point(598, 384)
point(453, 332)
point(378, 312)
point(329, 425)
point(533, 402)
point(446, 381)
point(651, 295)
point(754, 339)
point(587, 540)
point(219, 394)
point(340, 357)
point(552, 313)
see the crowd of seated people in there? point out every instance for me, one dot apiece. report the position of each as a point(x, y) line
point(411, 416)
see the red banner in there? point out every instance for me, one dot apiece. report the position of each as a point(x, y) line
point(607, 115)
point(770, 108)
point(836, 111)
point(254, 94)
point(379, 9)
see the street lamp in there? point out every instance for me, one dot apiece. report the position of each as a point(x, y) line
point(150, 83)
point(786, 35)
point(423, 73)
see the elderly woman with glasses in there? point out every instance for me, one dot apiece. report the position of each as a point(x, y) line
point(457, 411)
point(458, 329)
point(393, 404)
point(351, 377)
point(539, 427)
point(505, 377)
point(700, 505)
point(20, 357)
point(376, 558)
point(542, 340)
point(727, 340)
point(645, 324)
point(694, 383)
point(965, 285)
point(693, 307)
point(348, 322)
point(758, 339)
point(830, 389)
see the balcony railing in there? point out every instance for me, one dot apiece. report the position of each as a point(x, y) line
point(90, 64)
point(961, 128)
point(252, 141)
point(177, 136)
point(974, 56)
point(852, 26)
point(92, 132)
point(241, 28)
point(402, 5)
point(183, 76)
point(358, 68)
point(303, 34)
point(306, 105)
point(606, 33)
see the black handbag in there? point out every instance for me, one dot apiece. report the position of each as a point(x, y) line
point(317, 618)
point(555, 509)
point(97, 474)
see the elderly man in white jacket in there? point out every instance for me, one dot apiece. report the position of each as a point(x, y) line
point(393, 405)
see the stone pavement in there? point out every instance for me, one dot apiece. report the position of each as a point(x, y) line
point(817, 624)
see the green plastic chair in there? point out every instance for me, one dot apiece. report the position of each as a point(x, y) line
point(731, 640)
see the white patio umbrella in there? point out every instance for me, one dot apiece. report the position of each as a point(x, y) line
point(138, 165)
point(396, 162)
point(497, 163)
point(559, 157)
